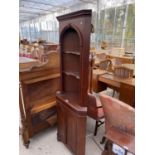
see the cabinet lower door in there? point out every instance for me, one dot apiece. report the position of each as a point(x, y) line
point(72, 129)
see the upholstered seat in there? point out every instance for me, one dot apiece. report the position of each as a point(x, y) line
point(95, 110)
point(121, 138)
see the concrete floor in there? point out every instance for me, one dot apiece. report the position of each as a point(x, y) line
point(45, 143)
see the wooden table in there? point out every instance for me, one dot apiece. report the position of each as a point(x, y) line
point(115, 82)
point(126, 87)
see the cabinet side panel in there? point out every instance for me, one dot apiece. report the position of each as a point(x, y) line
point(61, 135)
point(81, 139)
point(71, 130)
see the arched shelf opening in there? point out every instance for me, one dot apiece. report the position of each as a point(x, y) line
point(71, 42)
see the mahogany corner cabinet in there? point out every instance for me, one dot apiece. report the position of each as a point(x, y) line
point(75, 29)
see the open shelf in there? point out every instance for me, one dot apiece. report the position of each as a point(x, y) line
point(31, 81)
point(74, 74)
point(51, 120)
point(71, 63)
point(42, 106)
point(71, 41)
point(71, 97)
point(47, 116)
point(72, 100)
point(71, 82)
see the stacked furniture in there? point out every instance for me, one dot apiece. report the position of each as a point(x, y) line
point(75, 31)
point(38, 85)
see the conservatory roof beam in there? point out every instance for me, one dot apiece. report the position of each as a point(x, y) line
point(48, 4)
point(88, 1)
point(27, 12)
point(36, 8)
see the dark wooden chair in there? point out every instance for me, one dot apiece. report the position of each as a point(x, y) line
point(123, 72)
point(119, 123)
point(116, 62)
point(105, 64)
point(98, 57)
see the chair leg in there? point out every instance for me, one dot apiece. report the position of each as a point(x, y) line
point(103, 140)
point(106, 146)
point(96, 126)
point(110, 149)
point(126, 152)
point(113, 94)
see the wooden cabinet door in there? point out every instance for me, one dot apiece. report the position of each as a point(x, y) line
point(76, 131)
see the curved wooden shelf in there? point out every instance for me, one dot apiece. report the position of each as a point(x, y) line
point(72, 52)
point(52, 120)
point(74, 74)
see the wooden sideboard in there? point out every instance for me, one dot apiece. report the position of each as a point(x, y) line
point(38, 85)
